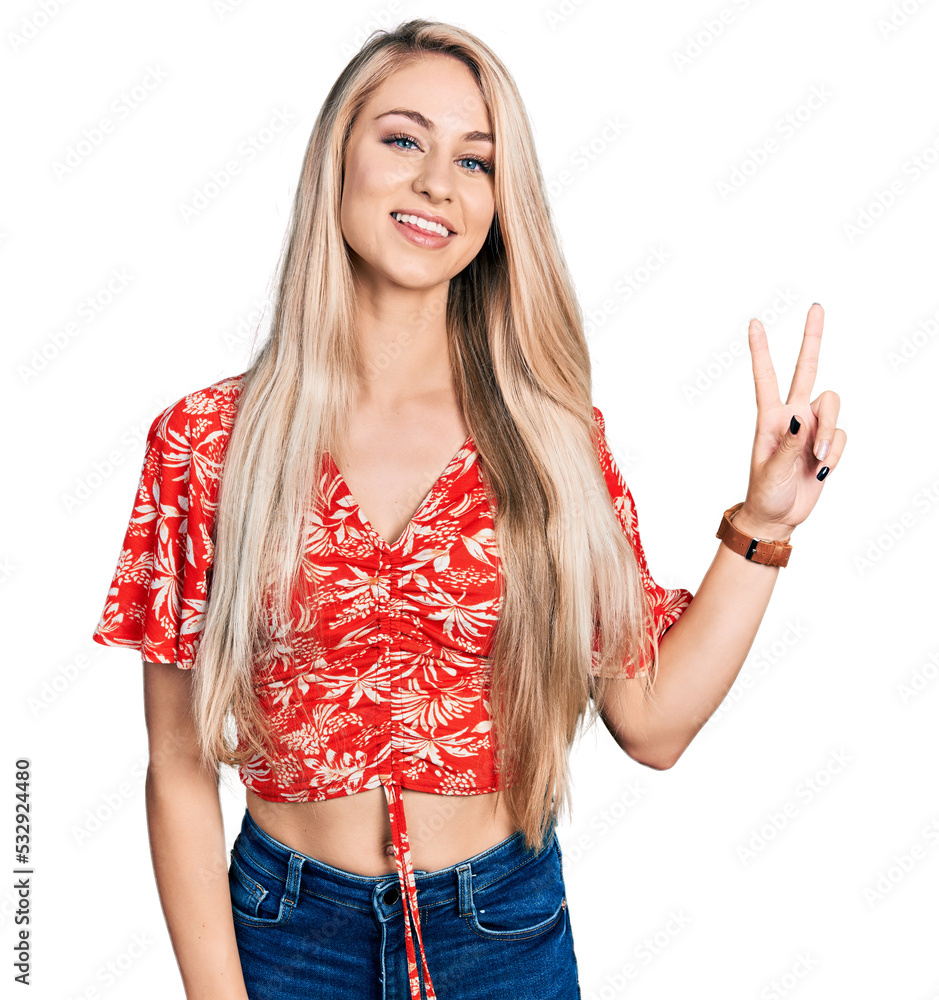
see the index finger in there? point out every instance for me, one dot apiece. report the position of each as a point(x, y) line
point(803, 378)
point(764, 375)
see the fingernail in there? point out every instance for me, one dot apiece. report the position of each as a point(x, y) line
point(822, 450)
point(822, 472)
point(794, 425)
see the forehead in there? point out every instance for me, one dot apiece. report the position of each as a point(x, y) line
point(442, 88)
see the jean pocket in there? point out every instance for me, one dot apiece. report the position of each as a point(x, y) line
point(258, 898)
point(522, 904)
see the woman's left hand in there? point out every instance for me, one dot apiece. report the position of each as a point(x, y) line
point(785, 466)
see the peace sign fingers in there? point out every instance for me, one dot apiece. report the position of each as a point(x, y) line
point(803, 378)
point(792, 439)
point(764, 375)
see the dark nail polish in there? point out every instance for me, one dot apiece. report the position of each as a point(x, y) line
point(794, 425)
point(822, 472)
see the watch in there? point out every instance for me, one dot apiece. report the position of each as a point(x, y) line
point(769, 552)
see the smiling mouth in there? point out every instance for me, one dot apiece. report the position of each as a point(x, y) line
point(421, 229)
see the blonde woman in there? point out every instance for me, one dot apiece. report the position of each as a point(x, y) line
point(397, 555)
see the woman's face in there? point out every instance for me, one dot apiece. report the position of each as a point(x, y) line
point(420, 146)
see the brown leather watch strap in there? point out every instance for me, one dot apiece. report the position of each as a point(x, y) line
point(769, 552)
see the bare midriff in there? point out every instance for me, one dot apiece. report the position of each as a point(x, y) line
point(353, 832)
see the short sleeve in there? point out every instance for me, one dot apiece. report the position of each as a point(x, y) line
point(158, 595)
point(667, 605)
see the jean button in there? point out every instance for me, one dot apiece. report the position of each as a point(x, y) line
point(392, 895)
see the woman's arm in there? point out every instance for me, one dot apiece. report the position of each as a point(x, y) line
point(699, 658)
point(187, 841)
point(702, 653)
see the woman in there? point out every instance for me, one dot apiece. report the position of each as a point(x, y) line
point(397, 747)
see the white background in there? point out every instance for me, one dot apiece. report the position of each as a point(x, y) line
point(792, 850)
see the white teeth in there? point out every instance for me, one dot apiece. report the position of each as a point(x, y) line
point(431, 227)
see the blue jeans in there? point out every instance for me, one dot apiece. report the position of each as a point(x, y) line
point(494, 925)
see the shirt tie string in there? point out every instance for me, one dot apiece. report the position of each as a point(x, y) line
point(407, 885)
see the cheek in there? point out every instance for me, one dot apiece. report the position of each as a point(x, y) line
point(358, 229)
point(482, 217)
point(483, 208)
point(369, 178)
point(356, 209)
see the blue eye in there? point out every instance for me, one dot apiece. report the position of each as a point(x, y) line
point(400, 138)
point(484, 167)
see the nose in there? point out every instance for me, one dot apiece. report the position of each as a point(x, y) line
point(434, 179)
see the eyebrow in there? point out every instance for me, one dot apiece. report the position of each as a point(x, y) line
point(426, 123)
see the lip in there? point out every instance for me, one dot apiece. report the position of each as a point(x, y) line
point(420, 237)
point(439, 219)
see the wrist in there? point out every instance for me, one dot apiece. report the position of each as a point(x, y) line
point(768, 530)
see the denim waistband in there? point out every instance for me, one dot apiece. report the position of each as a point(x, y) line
point(435, 887)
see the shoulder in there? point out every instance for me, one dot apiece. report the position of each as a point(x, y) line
point(204, 412)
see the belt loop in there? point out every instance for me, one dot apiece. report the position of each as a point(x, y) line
point(465, 876)
point(293, 880)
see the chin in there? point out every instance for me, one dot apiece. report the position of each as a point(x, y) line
point(414, 278)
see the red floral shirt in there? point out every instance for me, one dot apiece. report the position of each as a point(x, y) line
point(383, 680)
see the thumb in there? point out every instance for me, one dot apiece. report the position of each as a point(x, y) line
point(790, 446)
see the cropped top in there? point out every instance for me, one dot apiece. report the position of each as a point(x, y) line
point(383, 680)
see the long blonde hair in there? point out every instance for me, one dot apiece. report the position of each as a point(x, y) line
point(522, 376)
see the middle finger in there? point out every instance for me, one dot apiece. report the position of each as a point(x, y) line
point(803, 378)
